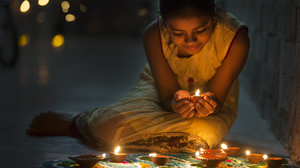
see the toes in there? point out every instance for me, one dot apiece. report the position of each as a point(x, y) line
point(33, 125)
point(30, 132)
point(43, 114)
point(34, 121)
point(37, 117)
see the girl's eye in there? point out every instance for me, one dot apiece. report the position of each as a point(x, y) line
point(200, 31)
point(177, 34)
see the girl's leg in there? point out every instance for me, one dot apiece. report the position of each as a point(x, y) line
point(51, 123)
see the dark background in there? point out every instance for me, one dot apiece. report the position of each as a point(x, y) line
point(99, 62)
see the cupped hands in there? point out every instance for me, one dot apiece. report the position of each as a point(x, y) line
point(204, 106)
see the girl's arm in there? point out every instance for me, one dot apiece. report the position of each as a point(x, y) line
point(165, 79)
point(227, 73)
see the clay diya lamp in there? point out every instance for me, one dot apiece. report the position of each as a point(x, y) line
point(217, 151)
point(211, 159)
point(273, 162)
point(195, 97)
point(116, 156)
point(159, 160)
point(87, 160)
point(254, 157)
point(231, 151)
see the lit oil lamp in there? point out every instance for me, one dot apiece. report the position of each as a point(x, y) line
point(159, 160)
point(116, 156)
point(273, 162)
point(195, 97)
point(231, 151)
point(218, 151)
point(210, 159)
point(254, 157)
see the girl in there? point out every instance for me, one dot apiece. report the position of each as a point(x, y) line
point(192, 45)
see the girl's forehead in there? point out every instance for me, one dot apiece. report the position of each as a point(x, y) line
point(187, 23)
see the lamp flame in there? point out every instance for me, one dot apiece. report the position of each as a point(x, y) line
point(152, 154)
point(197, 154)
point(104, 155)
point(265, 157)
point(202, 150)
point(224, 146)
point(247, 152)
point(197, 93)
point(117, 150)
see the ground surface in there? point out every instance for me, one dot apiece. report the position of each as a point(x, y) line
point(85, 73)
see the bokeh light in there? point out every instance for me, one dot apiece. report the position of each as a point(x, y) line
point(58, 40)
point(82, 8)
point(142, 12)
point(65, 10)
point(43, 2)
point(25, 6)
point(40, 17)
point(70, 18)
point(65, 6)
point(23, 40)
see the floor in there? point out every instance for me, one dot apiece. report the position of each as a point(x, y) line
point(84, 73)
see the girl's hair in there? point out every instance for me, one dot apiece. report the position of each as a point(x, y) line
point(186, 8)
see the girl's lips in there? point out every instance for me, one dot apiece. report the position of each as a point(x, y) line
point(193, 48)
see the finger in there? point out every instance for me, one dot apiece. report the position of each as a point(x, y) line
point(198, 113)
point(201, 110)
point(207, 106)
point(177, 96)
point(185, 107)
point(181, 103)
point(187, 111)
point(210, 101)
point(209, 94)
point(191, 114)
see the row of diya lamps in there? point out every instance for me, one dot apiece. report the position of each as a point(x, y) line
point(214, 157)
point(211, 157)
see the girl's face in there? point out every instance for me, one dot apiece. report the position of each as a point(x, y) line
point(190, 35)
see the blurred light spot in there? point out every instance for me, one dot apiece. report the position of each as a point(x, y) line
point(65, 5)
point(43, 81)
point(23, 40)
point(43, 2)
point(142, 12)
point(40, 17)
point(58, 40)
point(82, 8)
point(70, 18)
point(25, 6)
point(43, 71)
point(66, 10)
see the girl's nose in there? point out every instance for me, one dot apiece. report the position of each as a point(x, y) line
point(190, 39)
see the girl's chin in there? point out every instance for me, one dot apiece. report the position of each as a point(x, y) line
point(192, 52)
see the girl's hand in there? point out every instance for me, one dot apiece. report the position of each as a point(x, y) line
point(205, 105)
point(183, 107)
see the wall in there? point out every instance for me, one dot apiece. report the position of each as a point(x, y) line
point(271, 74)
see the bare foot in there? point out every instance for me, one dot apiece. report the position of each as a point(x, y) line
point(50, 123)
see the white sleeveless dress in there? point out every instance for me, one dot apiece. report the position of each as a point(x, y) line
point(138, 120)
